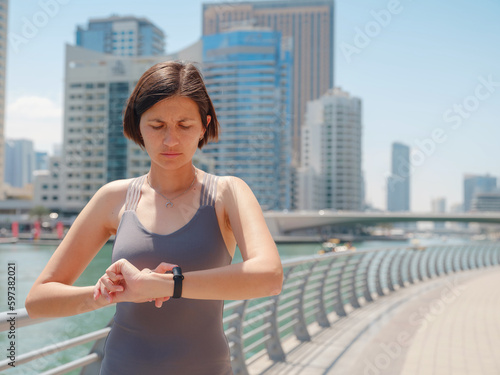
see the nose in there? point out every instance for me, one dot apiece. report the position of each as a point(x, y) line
point(170, 137)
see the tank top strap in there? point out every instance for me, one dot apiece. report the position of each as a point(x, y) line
point(134, 193)
point(208, 190)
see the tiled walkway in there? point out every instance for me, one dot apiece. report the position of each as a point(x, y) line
point(446, 326)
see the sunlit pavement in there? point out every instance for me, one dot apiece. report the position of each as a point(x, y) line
point(449, 325)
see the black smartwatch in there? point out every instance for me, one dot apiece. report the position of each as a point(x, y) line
point(178, 277)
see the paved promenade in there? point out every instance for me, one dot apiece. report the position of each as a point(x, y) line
point(446, 326)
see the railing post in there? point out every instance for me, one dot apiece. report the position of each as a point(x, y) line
point(470, 259)
point(378, 280)
point(486, 259)
point(402, 268)
point(457, 260)
point(430, 261)
point(411, 266)
point(447, 262)
point(439, 261)
point(236, 337)
point(390, 281)
point(463, 259)
point(273, 344)
point(388, 276)
point(339, 305)
point(300, 328)
point(366, 289)
point(354, 297)
point(493, 257)
point(321, 315)
point(421, 255)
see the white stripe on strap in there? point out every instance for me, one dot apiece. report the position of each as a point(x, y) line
point(134, 193)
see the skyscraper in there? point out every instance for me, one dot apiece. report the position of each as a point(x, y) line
point(307, 23)
point(122, 36)
point(398, 183)
point(4, 10)
point(330, 176)
point(248, 76)
point(19, 162)
point(474, 184)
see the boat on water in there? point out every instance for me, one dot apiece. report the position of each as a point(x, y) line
point(415, 245)
point(8, 240)
point(333, 245)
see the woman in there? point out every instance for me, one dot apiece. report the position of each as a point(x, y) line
point(174, 215)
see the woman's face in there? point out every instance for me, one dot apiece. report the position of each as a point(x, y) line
point(171, 130)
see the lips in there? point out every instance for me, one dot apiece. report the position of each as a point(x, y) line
point(170, 154)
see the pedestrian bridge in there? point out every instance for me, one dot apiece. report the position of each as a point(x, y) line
point(405, 310)
point(280, 223)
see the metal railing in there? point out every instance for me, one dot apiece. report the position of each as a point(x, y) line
point(314, 288)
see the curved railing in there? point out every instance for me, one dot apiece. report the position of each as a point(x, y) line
point(315, 289)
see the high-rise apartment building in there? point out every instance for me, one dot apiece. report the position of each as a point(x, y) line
point(307, 24)
point(330, 176)
point(122, 36)
point(474, 184)
point(398, 183)
point(486, 202)
point(19, 162)
point(4, 10)
point(248, 76)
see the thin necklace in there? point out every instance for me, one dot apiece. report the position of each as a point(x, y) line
point(169, 201)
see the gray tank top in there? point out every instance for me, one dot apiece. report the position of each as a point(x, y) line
point(184, 336)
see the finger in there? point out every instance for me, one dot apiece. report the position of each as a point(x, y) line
point(164, 267)
point(159, 301)
point(118, 266)
point(114, 276)
point(105, 293)
point(97, 290)
point(110, 286)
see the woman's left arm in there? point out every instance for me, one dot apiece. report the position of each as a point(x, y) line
point(259, 275)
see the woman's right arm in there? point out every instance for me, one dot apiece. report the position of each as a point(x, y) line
point(53, 293)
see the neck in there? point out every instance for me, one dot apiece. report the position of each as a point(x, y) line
point(171, 182)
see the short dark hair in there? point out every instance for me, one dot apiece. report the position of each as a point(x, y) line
point(163, 81)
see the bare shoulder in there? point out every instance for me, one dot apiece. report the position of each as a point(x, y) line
point(234, 194)
point(109, 202)
point(230, 187)
point(113, 192)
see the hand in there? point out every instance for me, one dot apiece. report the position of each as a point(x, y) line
point(162, 268)
point(123, 282)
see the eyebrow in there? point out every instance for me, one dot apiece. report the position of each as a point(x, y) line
point(180, 120)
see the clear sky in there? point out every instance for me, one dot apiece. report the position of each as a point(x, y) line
point(427, 71)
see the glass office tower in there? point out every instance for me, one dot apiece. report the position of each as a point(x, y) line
point(248, 75)
point(309, 25)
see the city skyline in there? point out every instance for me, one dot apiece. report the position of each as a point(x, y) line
point(427, 76)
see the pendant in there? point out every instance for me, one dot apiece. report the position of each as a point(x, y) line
point(169, 204)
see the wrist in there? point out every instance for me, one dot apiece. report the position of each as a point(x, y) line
point(159, 285)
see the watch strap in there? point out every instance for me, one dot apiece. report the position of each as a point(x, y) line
point(178, 277)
